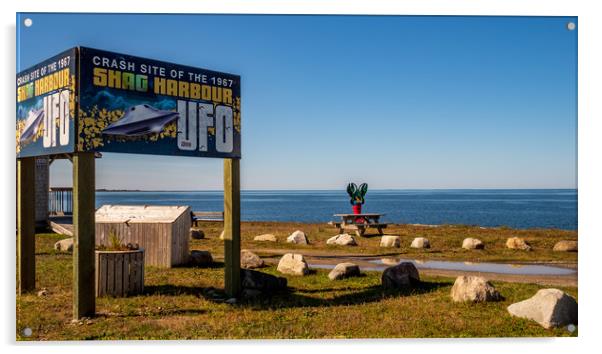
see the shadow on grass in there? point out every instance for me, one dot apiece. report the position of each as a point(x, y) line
point(169, 289)
point(374, 293)
point(55, 253)
point(370, 235)
point(212, 265)
point(293, 297)
point(175, 312)
point(208, 293)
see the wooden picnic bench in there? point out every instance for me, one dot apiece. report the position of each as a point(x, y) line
point(207, 216)
point(359, 223)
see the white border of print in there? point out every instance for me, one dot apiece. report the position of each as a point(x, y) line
point(590, 231)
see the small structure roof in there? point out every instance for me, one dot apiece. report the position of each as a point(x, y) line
point(140, 213)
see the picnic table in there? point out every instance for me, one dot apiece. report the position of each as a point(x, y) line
point(359, 223)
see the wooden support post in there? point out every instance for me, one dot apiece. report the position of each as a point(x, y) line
point(232, 226)
point(84, 300)
point(26, 223)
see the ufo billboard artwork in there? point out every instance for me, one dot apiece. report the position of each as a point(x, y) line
point(141, 120)
point(46, 107)
point(31, 125)
point(133, 105)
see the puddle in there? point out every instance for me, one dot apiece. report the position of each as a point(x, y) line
point(380, 264)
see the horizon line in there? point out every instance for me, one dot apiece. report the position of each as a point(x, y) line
point(314, 189)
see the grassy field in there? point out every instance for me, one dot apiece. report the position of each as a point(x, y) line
point(176, 305)
point(446, 242)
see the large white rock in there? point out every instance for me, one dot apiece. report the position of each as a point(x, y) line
point(344, 270)
point(293, 264)
point(566, 246)
point(473, 289)
point(517, 243)
point(342, 239)
point(298, 237)
point(65, 245)
point(249, 260)
point(266, 237)
point(389, 261)
point(548, 307)
point(390, 241)
point(403, 275)
point(420, 242)
point(473, 244)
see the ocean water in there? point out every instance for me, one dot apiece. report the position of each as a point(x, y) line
point(517, 208)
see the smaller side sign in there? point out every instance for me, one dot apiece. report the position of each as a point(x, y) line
point(46, 107)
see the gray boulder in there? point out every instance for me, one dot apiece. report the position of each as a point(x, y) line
point(201, 258)
point(473, 289)
point(293, 264)
point(298, 237)
point(517, 243)
point(344, 270)
point(65, 245)
point(473, 244)
point(197, 234)
point(342, 240)
point(256, 283)
point(390, 241)
point(400, 276)
point(565, 246)
point(420, 242)
point(266, 237)
point(548, 307)
point(250, 260)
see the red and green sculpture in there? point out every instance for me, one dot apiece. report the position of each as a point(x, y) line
point(357, 196)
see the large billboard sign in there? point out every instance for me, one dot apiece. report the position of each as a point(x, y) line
point(135, 105)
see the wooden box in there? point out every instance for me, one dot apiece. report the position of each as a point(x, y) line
point(119, 273)
point(163, 231)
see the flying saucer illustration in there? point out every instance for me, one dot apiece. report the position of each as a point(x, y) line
point(141, 119)
point(32, 123)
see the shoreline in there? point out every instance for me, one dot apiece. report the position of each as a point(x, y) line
point(419, 225)
point(335, 190)
point(445, 242)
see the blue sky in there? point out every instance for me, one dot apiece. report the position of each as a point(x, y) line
point(398, 102)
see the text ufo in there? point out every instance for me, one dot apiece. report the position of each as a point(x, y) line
point(141, 119)
point(32, 123)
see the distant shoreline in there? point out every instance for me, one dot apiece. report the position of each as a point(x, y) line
point(335, 190)
point(124, 190)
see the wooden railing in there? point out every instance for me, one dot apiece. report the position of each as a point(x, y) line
point(60, 200)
